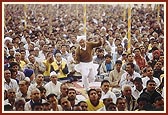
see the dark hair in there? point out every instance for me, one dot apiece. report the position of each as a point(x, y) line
point(117, 39)
point(36, 104)
point(108, 55)
point(51, 95)
point(81, 102)
point(104, 81)
point(118, 62)
point(137, 49)
point(119, 45)
point(143, 99)
point(63, 45)
point(13, 64)
point(71, 89)
point(129, 54)
point(100, 50)
point(119, 98)
point(72, 47)
point(131, 64)
point(41, 88)
point(10, 57)
point(150, 81)
point(88, 92)
point(138, 79)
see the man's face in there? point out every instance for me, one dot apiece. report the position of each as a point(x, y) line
point(93, 96)
point(108, 60)
point(121, 105)
point(15, 68)
point(22, 86)
point(32, 59)
point(11, 94)
point(151, 86)
point(53, 101)
point(99, 92)
point(82, 43)
point(149, 72)
point(58, 58)
point(107, 101)
point(84, 106)
point(53, 78)
point(137, 52)
point(129, 69)
point(138, 85)
point(118, 66)
point(158, 65)
point(71, 95)
point(119, 49)
point(35, 95)
point(39, 78)
point(127, 92)
point(142, 48)
point(7, 74)
point(130, 58)
point(66, 105)
point(105, 87)
point(64, 89)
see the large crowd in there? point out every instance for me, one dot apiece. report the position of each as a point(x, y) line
point(40, 42)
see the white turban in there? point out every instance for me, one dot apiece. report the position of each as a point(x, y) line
point(79, 38)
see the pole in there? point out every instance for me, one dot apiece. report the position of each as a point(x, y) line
point(158, 13)
point(84, 19)
point(25, 10)
point(50, 19)
point(129, 29)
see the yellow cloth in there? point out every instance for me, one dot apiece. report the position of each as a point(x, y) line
point(22, 64)
point(48, 66)
point(93, 108)
point(60, 73)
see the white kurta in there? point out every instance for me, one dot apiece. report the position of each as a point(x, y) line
point(52, 88)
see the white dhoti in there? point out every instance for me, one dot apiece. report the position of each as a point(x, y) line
point(88, 71)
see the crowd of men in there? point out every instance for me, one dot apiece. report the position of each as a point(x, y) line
point(40, 42)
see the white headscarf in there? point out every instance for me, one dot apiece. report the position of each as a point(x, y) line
point(79, 38)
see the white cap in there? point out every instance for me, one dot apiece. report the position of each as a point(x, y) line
point(152, 37)
point(79, 38)
point(36, 48)
point(53, 73)
point(8, 38)
point(27, 79)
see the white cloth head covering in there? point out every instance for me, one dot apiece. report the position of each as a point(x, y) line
point(53, 73)
point(27, 79)
point(8, 38)
point(79, 38)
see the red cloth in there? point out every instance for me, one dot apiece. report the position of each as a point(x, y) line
point(156, 51)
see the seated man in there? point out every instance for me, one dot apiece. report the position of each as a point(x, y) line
point(60, 67)
point(93, 102)
point(107, 66)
